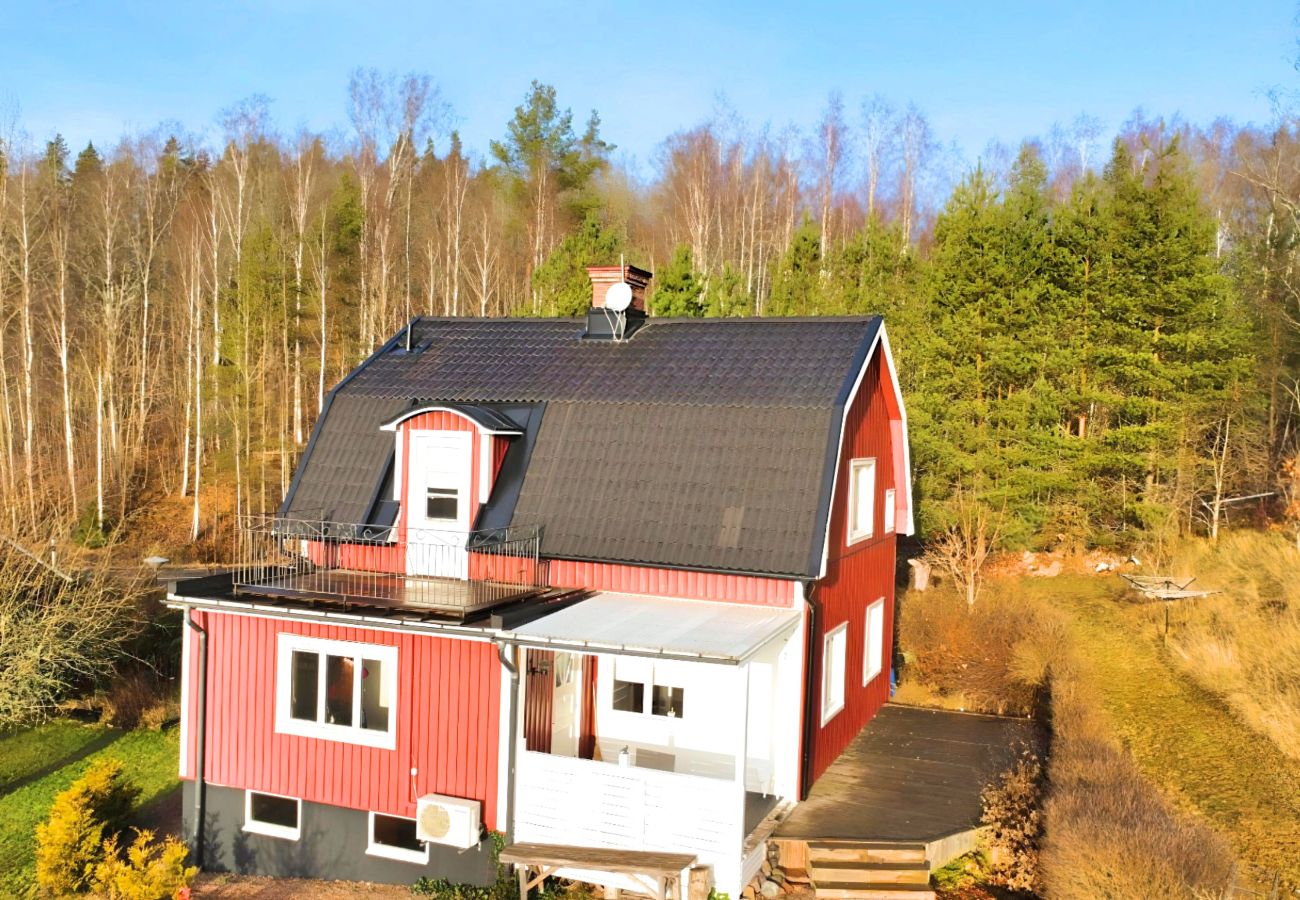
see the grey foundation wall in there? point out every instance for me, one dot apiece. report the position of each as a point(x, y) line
point(332, 846)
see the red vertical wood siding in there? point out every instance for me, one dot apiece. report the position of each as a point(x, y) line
point(539, 695)
point(857, 575)
point(448, 719)
point(671, 582)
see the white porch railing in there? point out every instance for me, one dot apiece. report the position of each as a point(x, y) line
point(581, 802)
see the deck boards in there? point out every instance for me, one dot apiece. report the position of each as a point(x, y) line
point(910, 775)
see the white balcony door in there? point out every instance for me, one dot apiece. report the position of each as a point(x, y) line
point(437, 503)
point(566, 714)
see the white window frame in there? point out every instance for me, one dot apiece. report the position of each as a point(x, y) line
point(645, 673)
point(889, 510)
point(267, 828)
point(285, 723)
point(855, 521)
point(831, 706)
point(873, 642)
point(387, 851)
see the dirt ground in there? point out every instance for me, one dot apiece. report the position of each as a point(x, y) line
point(250, 887)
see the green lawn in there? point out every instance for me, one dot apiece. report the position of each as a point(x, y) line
point(51, 751)
point(1184, 738)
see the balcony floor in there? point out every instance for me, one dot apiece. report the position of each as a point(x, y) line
point(398, 592)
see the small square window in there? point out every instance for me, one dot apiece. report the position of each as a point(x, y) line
point(394, 837)
point(667, 701)
point(272, 815)
point(442, 503)
point(629, 696)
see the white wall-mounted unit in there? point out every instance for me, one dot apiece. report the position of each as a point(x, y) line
point(453, 821)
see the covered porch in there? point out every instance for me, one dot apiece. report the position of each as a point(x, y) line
point(659, 725)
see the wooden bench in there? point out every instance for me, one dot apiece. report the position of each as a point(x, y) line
point(659, 873)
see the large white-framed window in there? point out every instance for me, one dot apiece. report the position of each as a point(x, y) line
point(835, 650)
point(273, 815)
point(336, 690)
point(393, 837)
point(889, 510)
point(862, 499)
point(873, 647)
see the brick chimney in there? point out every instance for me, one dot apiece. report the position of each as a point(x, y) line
point(602, 277)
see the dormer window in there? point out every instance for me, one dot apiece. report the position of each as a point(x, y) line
point(442, 503)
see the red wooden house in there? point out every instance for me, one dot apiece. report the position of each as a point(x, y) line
point(614, 582)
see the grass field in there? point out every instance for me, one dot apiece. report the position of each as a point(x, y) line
point(1185, 739)
point(38, 763)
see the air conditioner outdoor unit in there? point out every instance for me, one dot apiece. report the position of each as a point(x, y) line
point(447, 820)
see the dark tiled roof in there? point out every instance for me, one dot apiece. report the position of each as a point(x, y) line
point(698, 443)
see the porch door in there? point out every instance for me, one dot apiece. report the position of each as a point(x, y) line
point(437, 503)
point(566, 715)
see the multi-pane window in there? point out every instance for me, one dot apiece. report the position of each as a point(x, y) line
point(862, 499)
point(637, 689)
point(873, 650)
point(272, 815)
point(337, 689)
point(834, 656)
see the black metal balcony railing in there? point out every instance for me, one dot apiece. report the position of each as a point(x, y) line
point(392, 566)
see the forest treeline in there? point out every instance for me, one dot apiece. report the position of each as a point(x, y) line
point(1097, 347)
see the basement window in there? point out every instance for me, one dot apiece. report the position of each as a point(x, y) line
point(393, 837)
point(442, 503)
point(873, 650)
point(834, 658)
point(272, 815)
point(862, 499)
point(336, 690)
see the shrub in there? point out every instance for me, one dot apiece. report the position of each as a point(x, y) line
point(148, 870)
point(1013, 814)
point(71, 842)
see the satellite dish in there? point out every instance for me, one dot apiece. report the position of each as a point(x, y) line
point(618, 297)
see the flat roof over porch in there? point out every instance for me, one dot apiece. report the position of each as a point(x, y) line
point(911, 775)
point(636, 625)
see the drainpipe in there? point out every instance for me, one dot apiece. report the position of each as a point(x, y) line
point(512, 732)
point(200, 785)
point(810, 716)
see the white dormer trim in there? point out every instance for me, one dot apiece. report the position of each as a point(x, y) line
point(392, 424)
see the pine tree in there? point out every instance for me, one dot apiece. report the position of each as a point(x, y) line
point(796, 286)
point(561, 283)
point(677, 290)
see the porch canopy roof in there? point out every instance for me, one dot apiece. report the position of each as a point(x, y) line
point(637, 625)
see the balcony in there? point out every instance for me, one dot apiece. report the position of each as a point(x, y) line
point(422, 569)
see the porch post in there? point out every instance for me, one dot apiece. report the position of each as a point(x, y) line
point(742, 750)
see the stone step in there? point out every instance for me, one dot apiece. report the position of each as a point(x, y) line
point(841, 871)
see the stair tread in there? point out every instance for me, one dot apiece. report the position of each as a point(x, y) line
point(855, 865)
point(866, 887)
point(866, 845)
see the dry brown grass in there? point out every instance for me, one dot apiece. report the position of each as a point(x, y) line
point(1244, 644)
point(1108, 831)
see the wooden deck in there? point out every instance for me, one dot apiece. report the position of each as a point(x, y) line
point(911, 775)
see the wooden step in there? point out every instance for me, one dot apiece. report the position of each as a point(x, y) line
point(854, 890)
point(843, 871)
point(864, 851)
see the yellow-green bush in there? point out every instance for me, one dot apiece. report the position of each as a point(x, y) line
point(70, 843)
point(148, 870)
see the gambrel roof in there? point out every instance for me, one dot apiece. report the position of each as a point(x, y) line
point(700, 443)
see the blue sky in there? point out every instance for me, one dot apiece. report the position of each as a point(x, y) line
point(980, 70)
